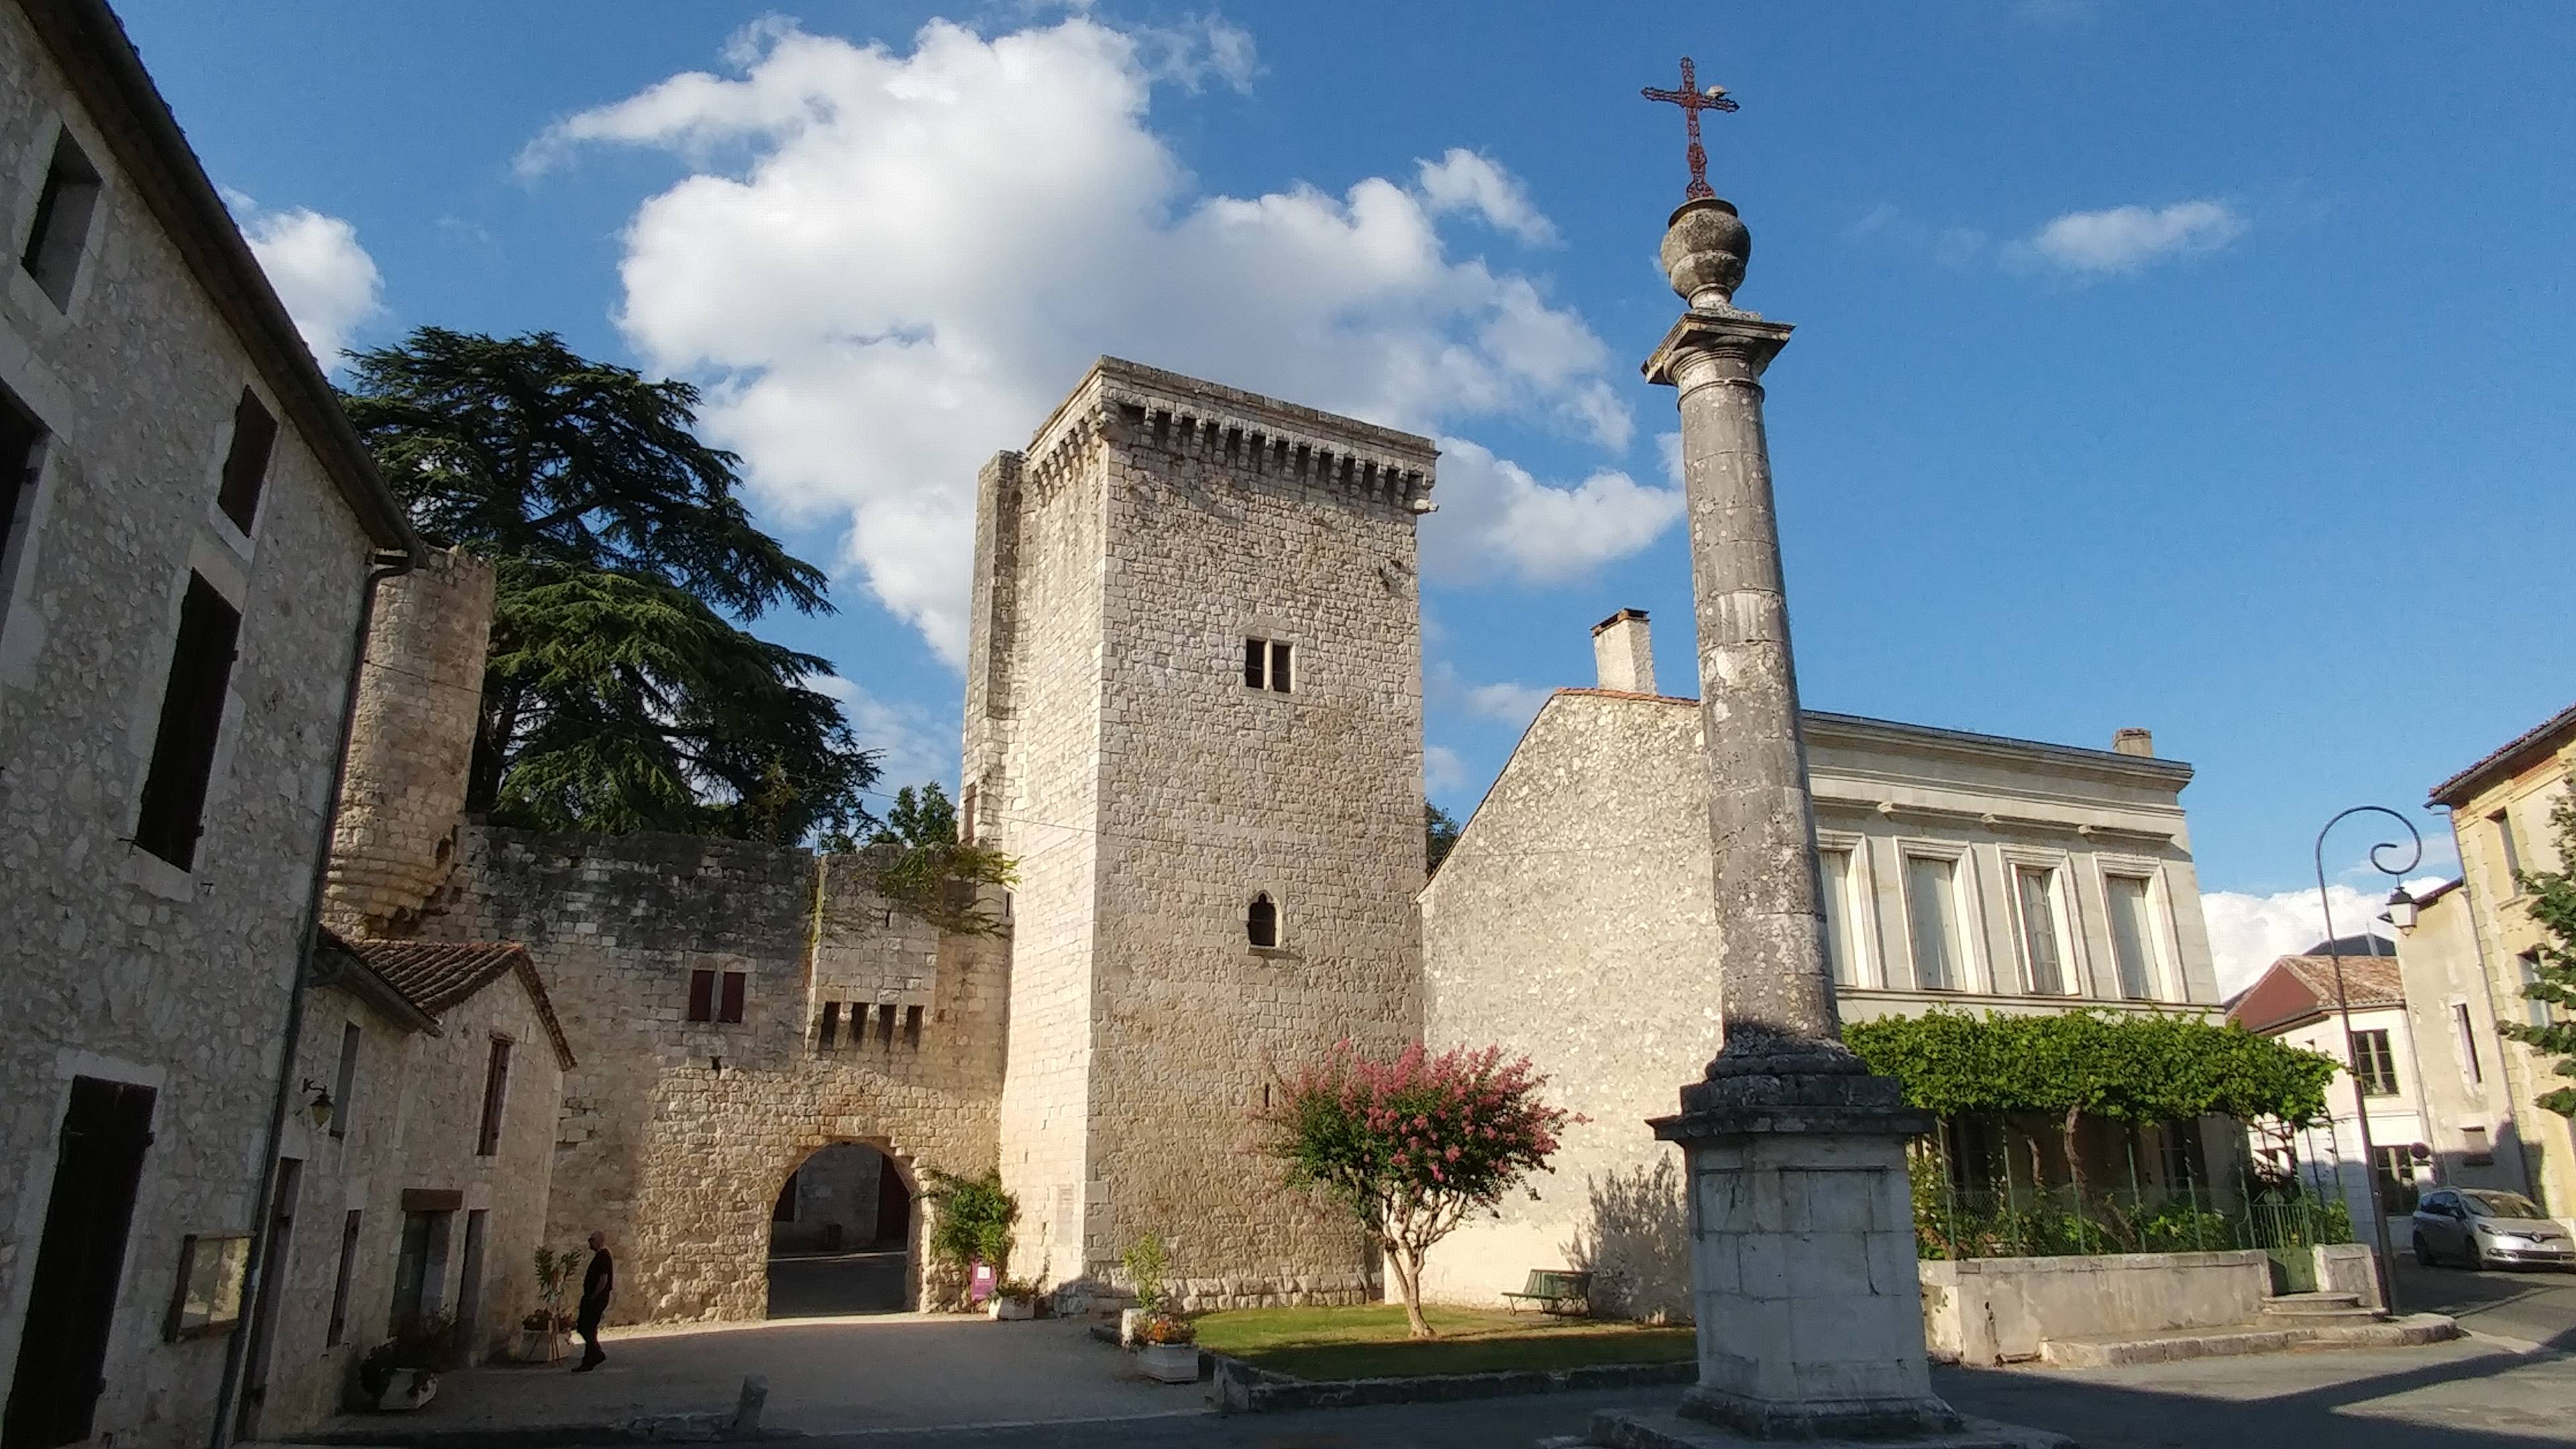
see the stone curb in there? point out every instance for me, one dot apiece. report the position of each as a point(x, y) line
point(1242, 1388)
point(702, 1428)
point(2407, 1332)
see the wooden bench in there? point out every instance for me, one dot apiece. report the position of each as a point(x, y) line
point(1553, 1289)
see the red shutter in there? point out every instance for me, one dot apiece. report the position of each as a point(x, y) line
point(732, 997)
point(702, 996)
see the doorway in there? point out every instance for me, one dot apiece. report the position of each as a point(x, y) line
point(840, 1233)
point(80, 1261)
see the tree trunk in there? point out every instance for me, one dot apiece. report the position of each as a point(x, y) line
point(1407, 1268)
point(2074, 1159)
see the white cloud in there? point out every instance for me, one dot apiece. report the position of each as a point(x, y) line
point(2249, 932)
point(2126, 238)
point(1465, 181)
point(1507, 703)
point(1442, 770)
point(913, 746)
point(1498, 522)
point(1197, 51)
point(326, 279)
point(888, 278)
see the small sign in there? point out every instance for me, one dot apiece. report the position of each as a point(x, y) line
point(209, 1294)
point(980, 1286)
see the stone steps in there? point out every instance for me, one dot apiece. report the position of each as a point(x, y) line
point(2294, 1331)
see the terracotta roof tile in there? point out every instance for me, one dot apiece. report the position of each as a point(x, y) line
point(2297, 988)
point(437, 975)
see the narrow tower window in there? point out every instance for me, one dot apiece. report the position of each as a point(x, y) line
point(1261, 923)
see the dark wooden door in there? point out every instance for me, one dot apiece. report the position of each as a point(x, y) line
point(71, 1298)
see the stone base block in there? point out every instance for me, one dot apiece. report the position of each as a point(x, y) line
point(1664, 1429)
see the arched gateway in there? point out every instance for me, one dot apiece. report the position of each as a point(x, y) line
point(841, 1235)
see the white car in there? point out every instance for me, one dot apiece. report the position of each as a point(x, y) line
point(2478, 1227)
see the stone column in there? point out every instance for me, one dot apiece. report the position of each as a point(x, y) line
point(1803, 1275)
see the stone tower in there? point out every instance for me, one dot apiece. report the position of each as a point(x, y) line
point(1194, 715)
point(410, 744)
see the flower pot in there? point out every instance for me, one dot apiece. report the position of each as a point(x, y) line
point(540, 1345)
point(1006, 1309)
point(1170, 1363)
point(407, 1389)
point(1128, 1318)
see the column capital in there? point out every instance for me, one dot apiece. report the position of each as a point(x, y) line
point(1742, 341)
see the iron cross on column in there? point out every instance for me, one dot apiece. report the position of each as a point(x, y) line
point(1693, 100)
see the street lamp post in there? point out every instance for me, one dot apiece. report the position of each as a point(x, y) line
point(2351, 1044)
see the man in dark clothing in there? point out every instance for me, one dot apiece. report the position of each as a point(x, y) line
point(597, 1281)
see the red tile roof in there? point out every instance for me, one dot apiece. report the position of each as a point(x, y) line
point(2301, 988)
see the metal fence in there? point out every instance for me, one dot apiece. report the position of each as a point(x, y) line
point(2018, 1221)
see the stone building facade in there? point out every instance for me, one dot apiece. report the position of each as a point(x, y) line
point(1193, 713)
point(423, 1190)
point(186, 531)
point(2295, 1000)
point(2502, 810)
point(2465, 1068)
point(1960, 871)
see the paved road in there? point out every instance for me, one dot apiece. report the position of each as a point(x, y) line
point(2457, 1396)
point(823, 1284)
point(2528, 1306)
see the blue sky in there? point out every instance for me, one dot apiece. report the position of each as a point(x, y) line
point(2194, 366)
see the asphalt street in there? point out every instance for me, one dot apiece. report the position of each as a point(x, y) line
point(2526, 1306)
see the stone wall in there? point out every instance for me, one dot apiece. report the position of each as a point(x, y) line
point(120, 965)
point(1572, 922)
point(1984, 1311)
point(1151, 794)
point(411, 744)
point(676, 1136)
point(412, 1124)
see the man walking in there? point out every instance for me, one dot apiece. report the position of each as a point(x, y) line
point(597, 1282)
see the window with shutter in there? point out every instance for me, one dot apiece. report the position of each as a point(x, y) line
point(246, 462)
point(192, 716)
point(732, 1010)
point(702, 996)
point(53, 252)
point(496, 1089)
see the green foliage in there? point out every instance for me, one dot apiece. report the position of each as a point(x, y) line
point(923, 818)
point(1147, 1263)
point(974, 1219)
point(620, 694)
point(554, 1276)
point(1439, 837)
point(2089, 1063)
point(2550, 896)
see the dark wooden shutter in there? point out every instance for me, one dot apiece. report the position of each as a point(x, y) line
point(246, 463)
point(1279, 670)
point(71, 1299)
point(19, 435)
point(496, 1090)
point(339, 1328)
point(702, 996)
point(192, 715)
point(1256, 654)
point(732, 997)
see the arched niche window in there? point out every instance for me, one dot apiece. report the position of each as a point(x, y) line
point(1261, 922)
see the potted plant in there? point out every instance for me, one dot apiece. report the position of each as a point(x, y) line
point(970, 1225)
point(402, 1372)
point(1146, 1263)
point(1014, 1298)
point(1167, 1346)
point(542, 1330)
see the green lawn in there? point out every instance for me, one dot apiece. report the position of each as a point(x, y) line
point(1367, 1343)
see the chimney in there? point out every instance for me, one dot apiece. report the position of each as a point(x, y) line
point(2134, 741)
point(1624, 655)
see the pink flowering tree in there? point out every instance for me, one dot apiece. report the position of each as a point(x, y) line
point(1410, 1147)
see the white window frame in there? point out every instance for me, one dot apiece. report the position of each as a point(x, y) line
point(1970, 975)
point(2163, 949)
point(1868, 958)
point(2062, 899)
